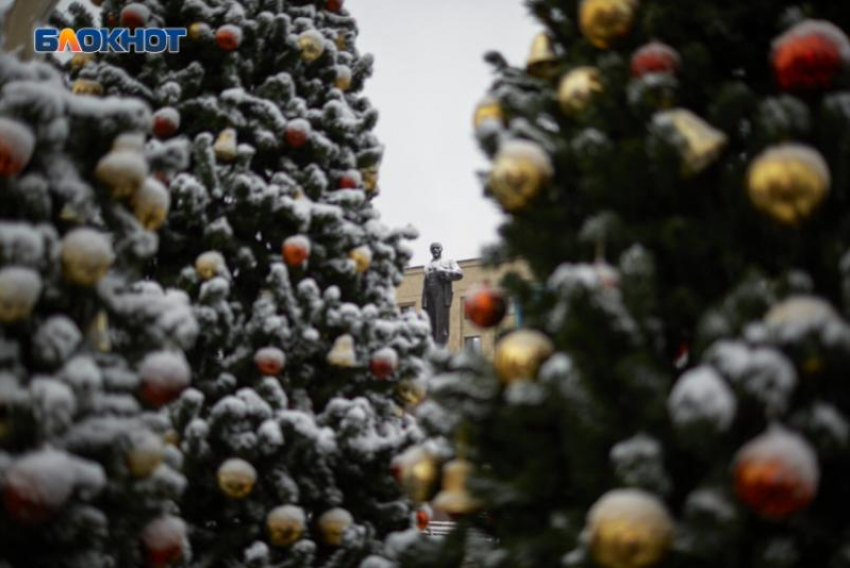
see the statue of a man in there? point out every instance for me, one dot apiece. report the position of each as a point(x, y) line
point(437, 292)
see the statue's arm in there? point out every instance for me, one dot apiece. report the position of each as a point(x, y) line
point(454, 272)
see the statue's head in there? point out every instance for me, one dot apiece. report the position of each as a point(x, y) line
point(436, 250)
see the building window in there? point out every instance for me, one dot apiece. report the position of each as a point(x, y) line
point(405, 308)
point(472, 343)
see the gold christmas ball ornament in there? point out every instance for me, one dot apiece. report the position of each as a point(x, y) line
point(80, 60)
point(343, 77)
point(151, 204)
point(578, 89)
point(342, 354)
point(603, 22)
point(417, 471)
point(226, 148)
point(236, 478)
point(362, 257)
point(333, 525)
point(411, 392)
point(87, 87)
point(788, 182)
point(542, 61)
point(455, 498)
point(370, 178)
point(123, 171)
point(312, 45)
point(209, 265)
point(285, 525)
point(520, 354)
point(20, 289)
point(200, 30)
point(488, 110)
point(145, 454)
point(699, 144)
point(520, 170)
point(629, 528)
point(86, 257)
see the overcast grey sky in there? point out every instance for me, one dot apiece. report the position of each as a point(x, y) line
point(429, 75)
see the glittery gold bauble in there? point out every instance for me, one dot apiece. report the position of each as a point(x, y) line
point(123, 171)
point(411, 392)
point(80, 60)
point(343, 77)
point(19, 292)
point(86, 257)
point(362, 257)
point(417, 471)
point(226, 148)
point(699, 143)
point(604, 21)
point(199, 30)
point(520, 170)
point(312, 45)
point(577, 90)
point(236, 478)
point(788, 182)
point(520, 354)
point(629, 528)
point(488, 109)
point(209, 265)
point(542, 61)
point(333, 525)
point(145, 454)
point(151, 204)
point(455, 498)
point(342, 354)
point(86, 87)
point(285, 525)
point(370, 179)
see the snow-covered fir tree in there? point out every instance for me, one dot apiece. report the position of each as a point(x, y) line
point(89, 355)
point(675, 175)
point(304, 363)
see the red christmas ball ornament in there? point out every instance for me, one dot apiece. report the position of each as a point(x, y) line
point(334, 6)
point(296, 250)
point(810, 56)
point(37, 486)
point(164, 375)
point(776, 474)
point(166, 122)
point(135, 15)
point(384, 363)
point(298, 132)
point(228, 37)
point(655, 57)
point(485, 306)
point(269, 361)
point(164, 541)
point(351, 179)
point(17, 143)
point(423, 519)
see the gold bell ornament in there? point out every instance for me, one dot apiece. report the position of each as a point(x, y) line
point(342, 354)
point(699, 143)
point(787, 182)
point(225, 147)
point(520, 170)
point(629, 528)
point(542, 61)
point(455, 499)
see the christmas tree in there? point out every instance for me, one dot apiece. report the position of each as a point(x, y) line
point(88, 476)
point(304, 363)
point(676, 396)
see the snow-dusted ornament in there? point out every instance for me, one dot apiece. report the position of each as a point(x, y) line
point(166, 122)
point(298, 132)
point(164, 540)
point(333, 524)
point(520, 170)
point(702, 398)
point(236, 478)
point(210, 264)
point(151, 204)
point(810, 56)
point(164, 375)
point(17, 143)
point(225, 146)
point(343, 77)
point(312, 45)
point(384, 363)
point(228, 37)
point(777, 473)
point(296, 250)
point(145, 453)
point(19, 291)
point(698, 143)
point(135, 15)
point(123, 171)
point(269, 361)
point(342, 353)
point(629, 528)
point(520, 354)
point(285, 525)
point(417, 471)
point(655, 57)
point(488, 110)
point(362, 257)
point(87, 87)
point(788, 182)
point(352, 179)
point(86, 257)
point(578, 89)
point(603, 22)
